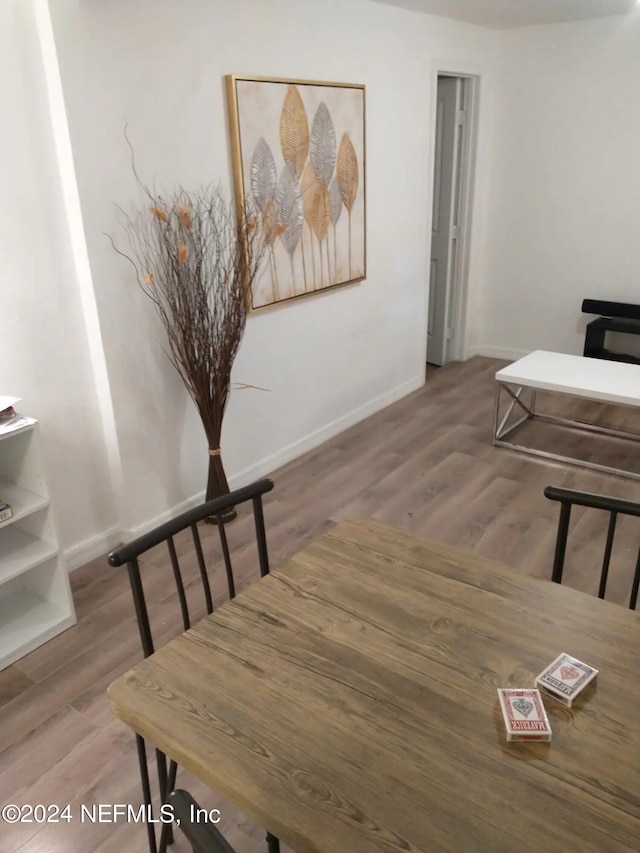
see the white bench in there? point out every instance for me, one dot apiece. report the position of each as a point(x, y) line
point(574, 375)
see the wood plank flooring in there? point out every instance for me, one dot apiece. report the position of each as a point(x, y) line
point(425, 463)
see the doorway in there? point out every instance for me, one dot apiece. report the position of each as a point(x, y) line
point(453, 155)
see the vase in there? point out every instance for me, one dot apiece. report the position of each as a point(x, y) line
point(217, 486)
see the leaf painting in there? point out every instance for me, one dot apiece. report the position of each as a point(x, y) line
point(272, 227)
point(336, 201)
point(289, 207)
point(294, 131)
point(290, 217)
point(264, 180)
point(317, 209)
point(347, 175)
point(299, 152)
point(322, 145)
point(264, 175)
point(307, 180)
point(347, 172)
point(317, 214)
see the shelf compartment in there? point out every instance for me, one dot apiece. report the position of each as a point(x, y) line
point(22, 501)
point(28, 425)
point(20, 552)
point(27, 621)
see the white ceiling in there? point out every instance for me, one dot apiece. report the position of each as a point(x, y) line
point(505, 14)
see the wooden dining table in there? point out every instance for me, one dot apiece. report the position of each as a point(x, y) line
point(347, 702)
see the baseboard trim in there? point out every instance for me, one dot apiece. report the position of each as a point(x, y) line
point(129, 533)
point(92, 548)
point(313, 439)
point(292, 451)
point(498, 352)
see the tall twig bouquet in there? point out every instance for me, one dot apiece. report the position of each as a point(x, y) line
point(196, 255)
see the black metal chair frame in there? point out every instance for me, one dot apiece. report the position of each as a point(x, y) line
point(128, 555)
point(202, 837)
point(615, 507)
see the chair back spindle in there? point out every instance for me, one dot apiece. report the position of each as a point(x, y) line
point(130, 553)
point(224, 544)
point(204, 575)
point(177, 576)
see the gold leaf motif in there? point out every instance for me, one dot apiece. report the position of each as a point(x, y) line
point(182, 253)
point(159, 213)
point(347, 172)
point(271, 228)
point(184, 216)
point(270, 223)
point(294, 131)
point(317, 207)
point(308, 179)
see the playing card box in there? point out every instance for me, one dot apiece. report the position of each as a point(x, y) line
point(565, 678)
point(5, 511)
point(525, 718)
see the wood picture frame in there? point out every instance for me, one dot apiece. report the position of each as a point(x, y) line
point(298, 157)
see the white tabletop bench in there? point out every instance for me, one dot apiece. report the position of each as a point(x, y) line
point(574, 375)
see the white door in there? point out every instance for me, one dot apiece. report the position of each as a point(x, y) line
point(444, 235)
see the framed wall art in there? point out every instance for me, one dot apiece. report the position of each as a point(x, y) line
point(298, 154)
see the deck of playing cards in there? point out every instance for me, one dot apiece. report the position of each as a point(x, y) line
point(525, 718)
point(565, 678)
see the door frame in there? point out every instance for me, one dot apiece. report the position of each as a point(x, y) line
point(459, 282)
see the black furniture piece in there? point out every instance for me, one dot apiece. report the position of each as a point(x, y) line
point(615, 317)
point(203, 837)
point(615, 507)
point(129, 555)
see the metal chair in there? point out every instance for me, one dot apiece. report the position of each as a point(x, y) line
point(203, 837)
point(615, 507)
point(128, 555)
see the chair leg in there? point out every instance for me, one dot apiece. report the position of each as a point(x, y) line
point(273, 845)
point(561, 542)
point(167, 829)
point(166, 833)
point(146, 790)
point(636, 585)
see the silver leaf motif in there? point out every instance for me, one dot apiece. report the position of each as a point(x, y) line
point(322, 146)
point(263, 174)
point(289, 209)
point(336, 201)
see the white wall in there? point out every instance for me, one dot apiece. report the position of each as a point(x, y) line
point(554, 221)
point(44, 354)
point(565, 184)
point(330, 360)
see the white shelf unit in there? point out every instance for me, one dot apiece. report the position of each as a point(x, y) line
point(35, 599)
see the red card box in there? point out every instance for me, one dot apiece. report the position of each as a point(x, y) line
point(525, 718)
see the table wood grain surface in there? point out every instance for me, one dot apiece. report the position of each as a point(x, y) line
point(348, 703)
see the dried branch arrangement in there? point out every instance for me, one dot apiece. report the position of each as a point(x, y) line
point(195, 255)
